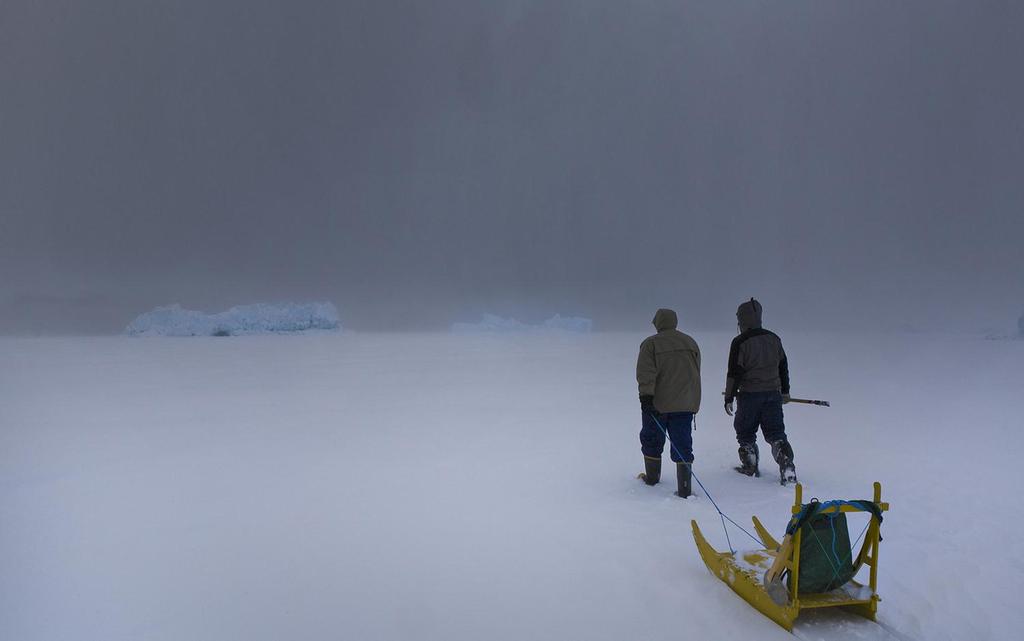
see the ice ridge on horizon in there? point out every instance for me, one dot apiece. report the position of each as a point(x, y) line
point(494, 323)
point(242, 320)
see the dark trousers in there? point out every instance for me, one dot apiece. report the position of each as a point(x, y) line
point(759, 409)
point(678, 425)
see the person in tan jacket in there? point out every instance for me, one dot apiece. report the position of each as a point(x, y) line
point(668, 377)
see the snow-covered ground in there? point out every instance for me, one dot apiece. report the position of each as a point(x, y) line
point(436, 486)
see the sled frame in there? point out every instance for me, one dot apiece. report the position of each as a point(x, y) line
point(745, 582)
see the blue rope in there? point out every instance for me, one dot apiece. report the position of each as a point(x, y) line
point(832, 524)
point(721, 514)
point(849, 558)
point(859, 536)
point(866, 526)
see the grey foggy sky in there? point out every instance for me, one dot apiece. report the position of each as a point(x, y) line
point(854, 163)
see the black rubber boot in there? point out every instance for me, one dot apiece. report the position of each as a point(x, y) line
point(652, 471)
point(682, 480)
point(749, 458)
point(782, 451)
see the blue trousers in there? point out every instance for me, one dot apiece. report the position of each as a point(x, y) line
point(759, 409)
point(678, 425)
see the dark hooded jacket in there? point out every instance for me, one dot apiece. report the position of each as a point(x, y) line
point(757, 362)
point(668, 367)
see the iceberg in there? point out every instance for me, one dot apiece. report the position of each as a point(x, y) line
point(569, 323)
point(994, 335)
point(490, 323)
point(261, 318)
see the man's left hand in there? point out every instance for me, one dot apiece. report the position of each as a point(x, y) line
point(647, 403)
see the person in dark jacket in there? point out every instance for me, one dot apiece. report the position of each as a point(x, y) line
point(758, 378)
point(668, 377)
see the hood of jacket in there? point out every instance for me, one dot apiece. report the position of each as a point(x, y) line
point(665, 319)
point(749, 315)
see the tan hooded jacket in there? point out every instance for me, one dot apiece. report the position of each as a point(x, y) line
point(668, 367)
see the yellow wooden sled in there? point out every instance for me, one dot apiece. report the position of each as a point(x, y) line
point(745, 572)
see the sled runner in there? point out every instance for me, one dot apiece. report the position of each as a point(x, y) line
point(813, 566)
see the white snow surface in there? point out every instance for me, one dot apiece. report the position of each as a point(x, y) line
point(490, 323)
point(450, 487)
point(260, 318)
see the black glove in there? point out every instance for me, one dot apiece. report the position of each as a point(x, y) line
point(786, 398)
point(728, 407)
point(647, 403)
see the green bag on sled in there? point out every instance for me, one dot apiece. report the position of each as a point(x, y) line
point(825, 559)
